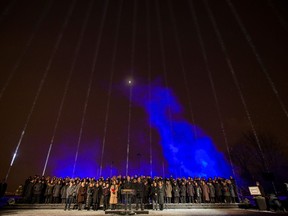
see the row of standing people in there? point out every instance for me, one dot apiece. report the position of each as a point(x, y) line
point(46, 190)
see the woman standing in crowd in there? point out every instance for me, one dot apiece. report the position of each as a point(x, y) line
point(190, 192)
point(161, 193)
point(81, 195)
point(106, 195)
point(154, 195)
point(198, 193)
point(176, 193)
point(97, 196)
point(212, 192)
point(90, 191)
point(183, 192)
point(205, 192)
point(113, 195)
point(168, 191)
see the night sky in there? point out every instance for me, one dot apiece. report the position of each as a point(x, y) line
point(66, 66)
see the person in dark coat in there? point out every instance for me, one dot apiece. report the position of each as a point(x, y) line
point(90, 191)
point(106, 194)
point(190, 192)
point(70, 193)
point(232, 191)
point(176, 192)
point(96, 196)
point(154, 195)
point(29, 192)
point(161, 194)
point(81, 196)
point(128, 199)
point(183, 192)
point(146, 192)
point(37, 190)
point(139, 188)
point(212, 192)
point(44, 185)
point(233, 182)
point(49, 192)
point(119, 195)
point(218, 192)
point(198, 193)
point(56, 192)
point(226, 193)
point(63, 192)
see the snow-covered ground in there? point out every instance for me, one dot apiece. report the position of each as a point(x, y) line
point(176, 212)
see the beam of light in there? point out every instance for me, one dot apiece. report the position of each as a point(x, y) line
point(134, 25)
point(27, 45)
point(186, 154)
point(93, 68)
point(14, 156)
point(112, 71)
point(258, 58)
point(235, 79)
point(67, 84)
point(45, 74)
point(148, 27)
point(211, 80)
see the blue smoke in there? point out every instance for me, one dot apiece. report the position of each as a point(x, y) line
point(63, 158)
point(186, 148)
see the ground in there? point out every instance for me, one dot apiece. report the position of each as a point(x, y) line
point(184, 212)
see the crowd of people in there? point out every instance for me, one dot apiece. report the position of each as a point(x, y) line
point(90, 193)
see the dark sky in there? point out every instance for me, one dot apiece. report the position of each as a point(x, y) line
point(51, 50)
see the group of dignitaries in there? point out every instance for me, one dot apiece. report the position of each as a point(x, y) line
point(90, 193)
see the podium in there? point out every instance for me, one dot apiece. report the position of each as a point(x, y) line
point(128, 191)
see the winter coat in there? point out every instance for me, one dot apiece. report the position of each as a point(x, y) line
point(29, 190)
point(225, 190)
point(96, 197)
point(37, 188)
point(198, 191)
point(168, 190)
point(212, 190)
point(49, 189)
point(113, 194)
point(154, 193)
point(63, 191)
point(183, 190)
point(81, 196)
point(70, 191)
point(231, 190)
point(205, 192)
point(161, 193)
point(139, 188)
point(57, 190)
point(190, 190)
point(176, 190)
point(90, 191)
point(218, 190)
